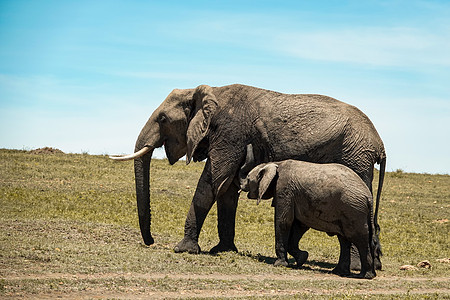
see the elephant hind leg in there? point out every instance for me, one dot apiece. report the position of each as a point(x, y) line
point(367, 260)
point(355, 261)
point(343, 266)
point(296, 233)
point(377, 252)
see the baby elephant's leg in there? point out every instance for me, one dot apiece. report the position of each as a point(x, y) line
point(284, 217)
point(297, 231)
point(365, 253)
point(343, 266)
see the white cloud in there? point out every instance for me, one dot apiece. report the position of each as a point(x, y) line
point(413, 45)
point(400, 47)
point(156, 75)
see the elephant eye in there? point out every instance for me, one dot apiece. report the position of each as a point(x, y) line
point(162, 118)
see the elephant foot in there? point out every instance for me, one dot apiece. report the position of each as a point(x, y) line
point(148, 241)
point(341, 271)
point(363, 275)
point(301, 257)
point(187, 245)
point(223, 247)
point(377, 263)
point(281, 262)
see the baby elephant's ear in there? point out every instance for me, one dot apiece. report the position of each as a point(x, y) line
point(267, 175)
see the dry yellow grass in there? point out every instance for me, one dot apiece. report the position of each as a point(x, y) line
point(68, 227)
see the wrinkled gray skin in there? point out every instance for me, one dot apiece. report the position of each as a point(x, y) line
point(216, 123)
point(325, 197)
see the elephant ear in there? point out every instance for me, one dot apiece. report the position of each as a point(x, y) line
point(205, 105)
point(267, 175)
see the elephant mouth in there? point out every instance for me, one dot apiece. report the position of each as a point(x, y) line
point(171, 154)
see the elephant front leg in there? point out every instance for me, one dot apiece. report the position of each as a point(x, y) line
point(226, 220)
point(201, 205)
point(284, 218)
point(297, 231)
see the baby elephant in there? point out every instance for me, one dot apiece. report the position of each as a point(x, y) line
point(326, 197)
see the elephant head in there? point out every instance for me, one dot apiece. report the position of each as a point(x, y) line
point(256, 180)
point(261, 181)
point(179, 124)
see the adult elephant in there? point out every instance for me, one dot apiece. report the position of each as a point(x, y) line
point(216, 123)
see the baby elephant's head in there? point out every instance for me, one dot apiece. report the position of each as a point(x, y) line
point(261, 180)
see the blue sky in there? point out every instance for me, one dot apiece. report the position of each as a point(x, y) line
point(84, 76)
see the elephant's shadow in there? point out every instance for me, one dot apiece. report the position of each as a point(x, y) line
point(313, 265)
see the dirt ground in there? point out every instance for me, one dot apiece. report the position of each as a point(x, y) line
point(43, 265)
point(140, 292)
point(46, 150)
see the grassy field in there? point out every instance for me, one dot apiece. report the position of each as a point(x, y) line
point(68, 228)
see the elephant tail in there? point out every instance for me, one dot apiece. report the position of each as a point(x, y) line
point(382, 162)
point(374, 242)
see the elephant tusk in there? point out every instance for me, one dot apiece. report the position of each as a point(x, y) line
point(135, 155)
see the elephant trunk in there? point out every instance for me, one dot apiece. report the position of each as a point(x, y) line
point(142, 159)
point(142, 178)
point(150, 138)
